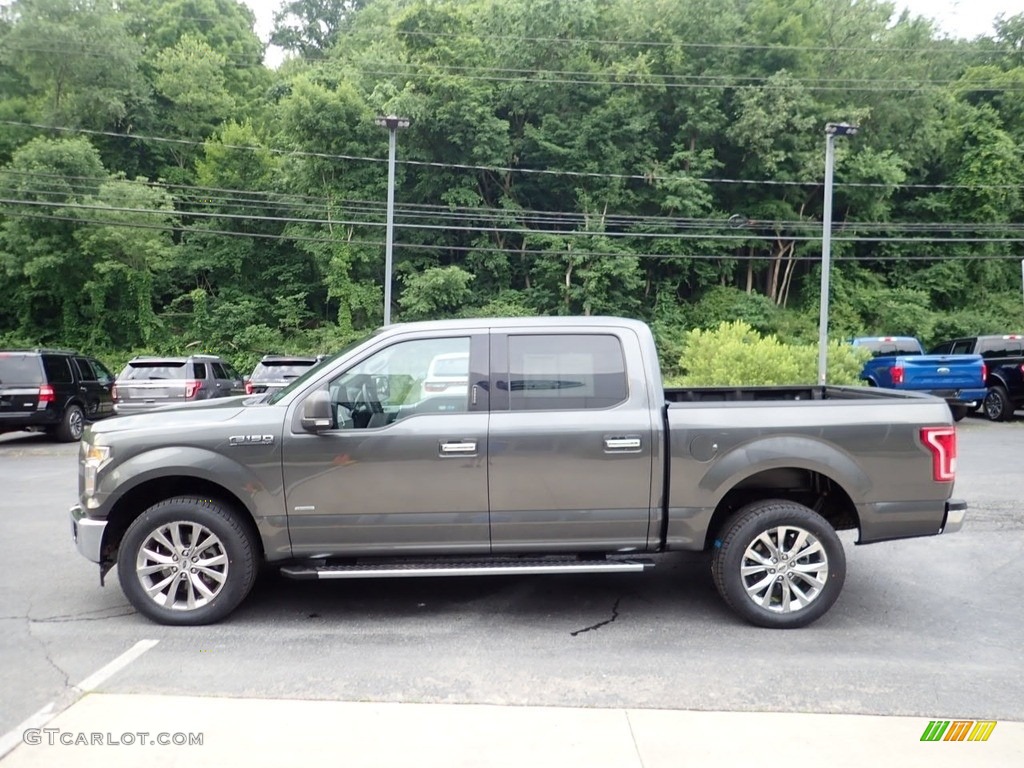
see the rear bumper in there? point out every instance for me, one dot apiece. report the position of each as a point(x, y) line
point(956, 511)
point(87, 534)
point(968, 397)
point(11, 422)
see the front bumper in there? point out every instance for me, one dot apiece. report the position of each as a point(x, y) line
point(87, 533)
point(956, 511)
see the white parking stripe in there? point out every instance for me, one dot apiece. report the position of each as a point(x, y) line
point(97, 678)
point(13, 738)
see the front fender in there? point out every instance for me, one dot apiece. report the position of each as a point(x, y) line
point(181, 461)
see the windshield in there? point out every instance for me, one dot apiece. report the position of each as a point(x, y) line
point(315, 370)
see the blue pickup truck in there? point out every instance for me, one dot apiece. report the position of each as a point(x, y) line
point(899, 362)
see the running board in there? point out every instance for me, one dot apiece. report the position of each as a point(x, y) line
point(490, 567)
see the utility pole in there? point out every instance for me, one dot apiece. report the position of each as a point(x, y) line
point(831, 131)
point(392, 123)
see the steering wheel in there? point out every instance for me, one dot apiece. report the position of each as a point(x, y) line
point(366, 399)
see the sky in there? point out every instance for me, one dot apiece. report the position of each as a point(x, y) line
point(956, 18)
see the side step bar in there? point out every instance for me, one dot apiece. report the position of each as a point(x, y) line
point(481, 567)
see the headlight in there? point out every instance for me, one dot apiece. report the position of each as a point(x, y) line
point(94, 458)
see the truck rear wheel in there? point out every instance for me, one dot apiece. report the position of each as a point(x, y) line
point(779, 564)
point(187, 561)
point(997, 404)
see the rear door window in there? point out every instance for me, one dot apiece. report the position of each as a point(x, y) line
point(85, 369)
point(565, 372)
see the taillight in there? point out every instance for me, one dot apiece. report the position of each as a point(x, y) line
point(46, 395)
point(113, 392)
point(897, 374)
point(941, 441)
point(984, 371)
point(191, 387)
point(248, 387)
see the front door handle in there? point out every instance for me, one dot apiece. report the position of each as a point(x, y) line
point(458, 448)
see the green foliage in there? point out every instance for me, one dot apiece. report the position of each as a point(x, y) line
point(722, 304)
point(734, 354)
point(659, 159)
point(435, 293)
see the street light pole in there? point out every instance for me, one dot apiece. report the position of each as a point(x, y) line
point(831, 131)
point(392, 123)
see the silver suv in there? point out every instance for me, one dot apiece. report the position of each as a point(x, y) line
point(149, 382)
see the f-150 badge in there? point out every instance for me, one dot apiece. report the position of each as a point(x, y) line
point(251, 440)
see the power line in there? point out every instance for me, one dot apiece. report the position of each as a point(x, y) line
point(693, 235)
point(645, 177)
point(517, 251)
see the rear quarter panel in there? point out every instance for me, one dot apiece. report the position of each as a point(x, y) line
point(870, 447)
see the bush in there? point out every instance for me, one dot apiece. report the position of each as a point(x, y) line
point(734, 354)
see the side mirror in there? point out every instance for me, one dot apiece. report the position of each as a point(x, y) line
point(316, 412)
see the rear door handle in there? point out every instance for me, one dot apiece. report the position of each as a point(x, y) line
point(622, 443)
point(458, 448)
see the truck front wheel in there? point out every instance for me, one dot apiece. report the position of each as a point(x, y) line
point(187, 561)
point(778, 564)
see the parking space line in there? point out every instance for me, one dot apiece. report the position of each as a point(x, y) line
point(97, 678)
point(13, 738)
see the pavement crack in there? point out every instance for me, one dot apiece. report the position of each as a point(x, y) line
point(74, 617)
point(46, 652)
point(615, 615)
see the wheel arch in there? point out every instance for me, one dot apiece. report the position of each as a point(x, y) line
point(141, 497)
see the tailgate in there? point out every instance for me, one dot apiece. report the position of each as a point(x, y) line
point(170, 390)
point(16, 399)
point(943, 372)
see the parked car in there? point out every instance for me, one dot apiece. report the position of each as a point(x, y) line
point(52, 390)
point(274, 372)
point(1004, 360)
point(568, 456)
point(447, 374)
point(899, 362)
point(149, 382)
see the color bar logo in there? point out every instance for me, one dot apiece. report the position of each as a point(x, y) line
point(958, 730)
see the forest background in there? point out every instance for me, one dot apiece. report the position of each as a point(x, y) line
point(163, 191)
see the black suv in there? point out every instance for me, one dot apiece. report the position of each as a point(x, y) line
point(149, 382)
point(275, 372)
point(52, 390)
point(1004, 363)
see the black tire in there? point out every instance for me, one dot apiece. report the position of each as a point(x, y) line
point(162, 589)
point(72, 425)
point(959, 412)
point(997, 404)
point(775, 594)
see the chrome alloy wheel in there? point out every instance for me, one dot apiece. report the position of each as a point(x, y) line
point(784, 569)
point(182, 565)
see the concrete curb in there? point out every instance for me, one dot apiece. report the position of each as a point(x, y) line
point(112, 730)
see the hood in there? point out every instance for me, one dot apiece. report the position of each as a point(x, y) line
point(196, 413)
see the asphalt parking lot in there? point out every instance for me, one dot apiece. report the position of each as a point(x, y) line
point(925, 628)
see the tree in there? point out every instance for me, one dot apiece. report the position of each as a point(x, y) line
point(78, 58)
point(44, 266)
point(311, 28)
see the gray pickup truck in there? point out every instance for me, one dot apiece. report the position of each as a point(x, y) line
point(534, 446)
